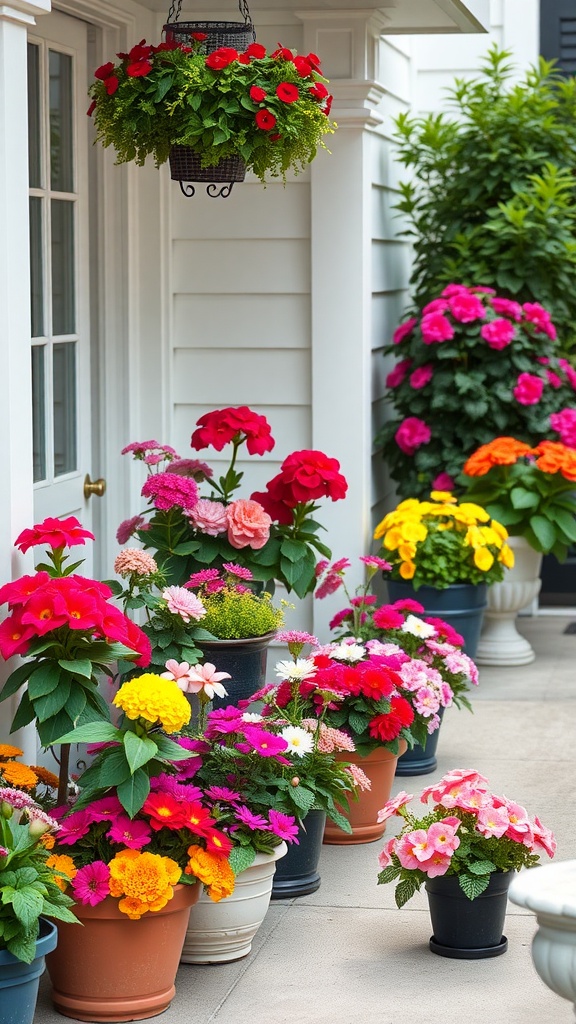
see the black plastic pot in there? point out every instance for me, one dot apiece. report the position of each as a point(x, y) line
point(244, 660)
point(461, 605)
point(420, 760)
point(467, 929)
point(297, 873)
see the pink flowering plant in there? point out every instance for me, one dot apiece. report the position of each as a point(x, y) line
point(469, 832)
point(426, 652)
point(69, 631)
point(273, 533)
point(472, 366)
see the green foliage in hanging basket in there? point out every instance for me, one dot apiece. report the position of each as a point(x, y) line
point(269, 109)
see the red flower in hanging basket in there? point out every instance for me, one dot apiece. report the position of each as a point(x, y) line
point(303, 67)
point(257, 94)
point(199, 36)
point(139, 68)
point(287, 92)
point(319, 90)
point(111, 84)
point(104, 71)
point(265, 120)
point(221, 58)
point(255, 50)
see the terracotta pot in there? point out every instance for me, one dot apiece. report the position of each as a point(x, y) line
point(115, 969)
point(380, 767)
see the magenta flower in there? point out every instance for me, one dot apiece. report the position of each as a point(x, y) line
point(74, 827)
point(284, 826)
point(564, 422)
point(498, 333)
point(106, 808)
point(404, 330)
point(540, 319)
point(296, 636)
point(412, 434)
point(190, 467)
point(246, 817)
point(398, 374)
point(436, 327)
point(375, 562)
point(128, 527)
point(222, 793)
point(421, 376)
point(436, 306)
point(90, 884)
point(204, 576)
point(238, 570)
point(443, 482)
point(131, 833)
point(528, 390)
point(466, 307)
point(264, 743)
point(507, 307)
point(167, 491)
point(345, 615)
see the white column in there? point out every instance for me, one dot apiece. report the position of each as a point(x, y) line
point(16, 497)
point(341, 235)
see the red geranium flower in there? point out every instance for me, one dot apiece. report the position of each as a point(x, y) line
point(319, 90)
point(265, 120)
point(303, 67)
point(287, 92)
point(216, 429)
point(221, 58)
point(111, 84)
point(310, 475)
point(139, 69)
point(54, 533)
point(141, 51)
point(255, 50)
point(257, 94)
point(199, 36)
point(104, 71)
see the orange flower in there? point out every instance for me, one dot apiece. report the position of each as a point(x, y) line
point(45, 776)
point(47, 840)
point(555, 457)
point(19, 775)
point(145, 880)
point(7, 750)
point(63, 863)
point(213, 870)
point(502, 451)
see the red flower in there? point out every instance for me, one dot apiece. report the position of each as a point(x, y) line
point(255, 50)
point(18, 591)
point(265, 120)
point(199, 36)
point(374, 681)
point(91, 108)
point(388, 727)
point(257, 94)
point(14, 636)
point(303, 67)
point(243, 59)
point(283, 52)
point(275, 137)
point(197, 818)
point(387, 617)
point(221, 58)
point(319, 91)
point(141, 51)
point(104, 71)
point(54, 533)
point(310, 475)
point(314, 60)
point(218, 842)
point(164, 811)
point(276, 508)
point(139, 69)
point(216, 429)
point(328, 105)
point(45, 611)
point(111, 84)
point(287, 92)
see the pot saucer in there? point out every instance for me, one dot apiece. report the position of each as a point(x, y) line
point(483, 953)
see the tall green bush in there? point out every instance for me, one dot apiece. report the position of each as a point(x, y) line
point(492, 199)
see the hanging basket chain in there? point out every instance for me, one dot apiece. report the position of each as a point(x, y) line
point(176, 8)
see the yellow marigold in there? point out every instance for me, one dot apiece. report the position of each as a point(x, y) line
point(7, 750)
point(506, 556)
point(145, 880)
point(19, 775)
point(483, 559)
point(407, 570)
point(212, 870)
point(62, 862)
point(444, 497)
point(45, 776)
point(154, 699)
point(47, 840)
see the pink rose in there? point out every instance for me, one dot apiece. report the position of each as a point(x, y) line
point(421, 376)
point(528, 390)
point(466, 308)
point(436, 306)
point(553, 379)
point(507, 307)
point(443, 482)
point(412, 433)
point(565, 423)
point(436, 327)
point(209, 517)
point(498, 333)
point(455, 289)
point(248, 524)
point(404, 330)
point(540, 319)
point(397, 375)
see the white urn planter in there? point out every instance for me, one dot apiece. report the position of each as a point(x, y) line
point(500, 642)
point(550, 892)
point(220, 932)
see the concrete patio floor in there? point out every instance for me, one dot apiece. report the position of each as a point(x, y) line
point(346, 952)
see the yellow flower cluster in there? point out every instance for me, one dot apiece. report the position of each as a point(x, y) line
point(212, 870)
point(63, 863)
point(154, 699)
point(404, 531)
point(145, 881)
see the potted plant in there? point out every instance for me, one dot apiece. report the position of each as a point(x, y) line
point(266, 112)
point(465, 850)
point(273, 533)
point(426, 652)
point(445, 552)
point(133, 851)
point(30, 893)
point(530, 490)
point(70, 632)
point(472, 365)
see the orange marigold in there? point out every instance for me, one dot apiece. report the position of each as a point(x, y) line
point(555, 457)
point(63, 863)
point(47, 840)
point(19, 775)
point(7, 750)
point(213, 870)
point(145, 880)
point(45, 776)
point(502, 451)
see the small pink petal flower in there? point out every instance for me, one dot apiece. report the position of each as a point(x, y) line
point(90, 884)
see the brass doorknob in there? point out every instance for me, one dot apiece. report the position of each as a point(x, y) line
point(91, 487)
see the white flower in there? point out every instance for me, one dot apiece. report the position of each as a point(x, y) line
point(299, 741)
point(302, 668)
point(250, 716)
point(348, 652)
point(417, 627)
point(206, 678)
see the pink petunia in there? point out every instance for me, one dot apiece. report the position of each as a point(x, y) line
point(443, 838)
point(392, 806)
point(492, 821)
point(528, 390)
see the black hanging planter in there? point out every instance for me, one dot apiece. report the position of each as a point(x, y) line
point(186, 167)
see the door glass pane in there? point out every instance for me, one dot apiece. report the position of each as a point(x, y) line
point(63, 283)
point(34, 164)
point(39, 411)
point(36, 277)
point(64, 389)
point(61, 153)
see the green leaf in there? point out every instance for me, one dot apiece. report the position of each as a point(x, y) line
point(27, 904)
point(481, 867)
point(170, 750)
point(52, 728)
point(44, 679)
point(544, 531)
point(389, 874)
point(78, 667)
point(49, 706)
point(303, 798)
point(139, 750)
point(405, 890)
point(473, 885)
point(16, 679)
point(294, 550)
point(522, 498)
point(241, 857)
point(96, 732)
point(114, 768)
point(25, 713)
point(133, 792)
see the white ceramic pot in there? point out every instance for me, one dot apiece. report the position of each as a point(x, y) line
point(500, 642)
point(219, 932)
point(550, 892)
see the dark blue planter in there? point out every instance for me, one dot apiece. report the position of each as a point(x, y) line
point(420, 760)
point(467, 929)
point(297, 873)
point(19, 981)
point(244, 660)
point(461, 605)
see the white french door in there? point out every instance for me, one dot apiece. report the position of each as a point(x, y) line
point(60, 270)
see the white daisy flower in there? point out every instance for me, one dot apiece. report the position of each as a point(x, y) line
point(251, 716)
point(299, 741)
point(302, 668)
point(348, 652)
point(417, 627)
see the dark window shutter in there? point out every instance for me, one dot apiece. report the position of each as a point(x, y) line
point(558, 33)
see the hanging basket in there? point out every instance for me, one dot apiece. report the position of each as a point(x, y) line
point(236, 34)
point(186, 167)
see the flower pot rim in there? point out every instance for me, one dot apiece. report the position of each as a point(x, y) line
point(544, 889)
point(45, 943)
point(217, 642)
point(263, 858)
